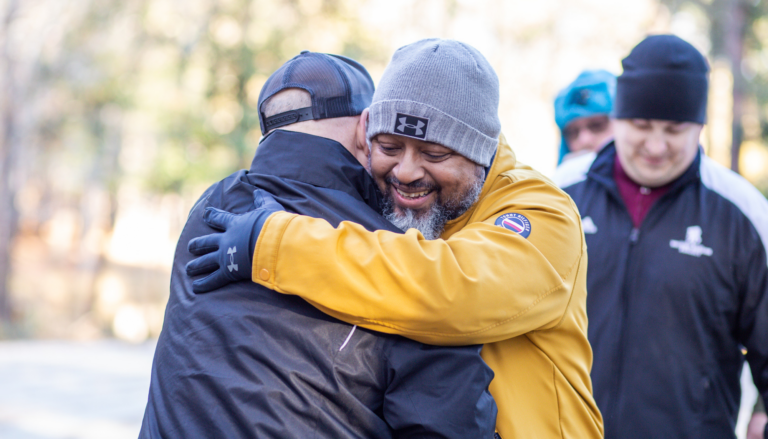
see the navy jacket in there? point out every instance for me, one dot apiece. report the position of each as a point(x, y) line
point(671, 304)
point(246, 362)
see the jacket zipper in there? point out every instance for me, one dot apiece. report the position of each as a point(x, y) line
point(634, 235)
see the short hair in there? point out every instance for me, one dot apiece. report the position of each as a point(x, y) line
point(286, 100)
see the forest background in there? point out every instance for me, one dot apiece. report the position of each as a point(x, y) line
point(116, 115)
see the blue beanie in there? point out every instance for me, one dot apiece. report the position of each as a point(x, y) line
point(592, 93)
point(664, 78)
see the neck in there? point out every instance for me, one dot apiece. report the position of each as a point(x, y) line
point(340, 129)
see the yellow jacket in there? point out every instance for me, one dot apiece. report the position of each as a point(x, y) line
point(525, 299)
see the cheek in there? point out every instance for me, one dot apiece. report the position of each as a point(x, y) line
point(685, 150)
point(381, 165)
point(452, 181)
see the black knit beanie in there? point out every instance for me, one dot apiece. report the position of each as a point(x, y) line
point(664, 78)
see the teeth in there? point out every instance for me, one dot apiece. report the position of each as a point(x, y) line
point(411, 195)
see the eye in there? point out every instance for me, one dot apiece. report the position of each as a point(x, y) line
point(641, 124)
point(389, 149)
point(675, 129)
point(571, 133)
point(437, 156)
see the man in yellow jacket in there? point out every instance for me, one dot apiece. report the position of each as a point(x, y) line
point(494, 252)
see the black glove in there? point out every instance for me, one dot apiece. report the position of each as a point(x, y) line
point(228, 256)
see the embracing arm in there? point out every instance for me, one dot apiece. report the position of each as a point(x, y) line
point(483, 283)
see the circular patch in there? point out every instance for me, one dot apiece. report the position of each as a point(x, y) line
point(516, 223)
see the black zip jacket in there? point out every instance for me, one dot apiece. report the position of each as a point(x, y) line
point(672, 303)
point(246, 362)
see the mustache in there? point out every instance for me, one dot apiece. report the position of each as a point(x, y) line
point(414, 185)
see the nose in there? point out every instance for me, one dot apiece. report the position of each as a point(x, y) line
point(409, 169)
point(655, 145)
point(585, 140)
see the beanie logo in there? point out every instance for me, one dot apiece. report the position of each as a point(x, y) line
point(411, 126)
point(580, 97)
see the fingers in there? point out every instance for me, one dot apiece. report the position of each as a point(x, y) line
point(204, 244)
point(264, 200)
point(211, 282)
point(218, 219)
point(203, 265)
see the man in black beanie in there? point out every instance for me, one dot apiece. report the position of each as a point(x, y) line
point(678, 273)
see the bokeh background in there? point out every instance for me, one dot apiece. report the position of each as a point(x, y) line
point(115, 115)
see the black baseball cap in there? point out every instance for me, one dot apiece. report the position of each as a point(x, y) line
point(339, 87)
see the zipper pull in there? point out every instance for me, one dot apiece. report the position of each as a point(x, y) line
point(633, 235)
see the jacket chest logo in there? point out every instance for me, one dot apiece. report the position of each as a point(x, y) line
point(411, 126)
point(692, 245)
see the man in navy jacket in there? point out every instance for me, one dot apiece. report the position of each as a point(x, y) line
point(246, 362)
point(678, 274)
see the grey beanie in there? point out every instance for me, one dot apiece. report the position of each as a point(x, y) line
point(440, 91)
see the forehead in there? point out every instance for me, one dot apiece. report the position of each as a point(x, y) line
point(659, 123)
point(579, 121)
point(408, 141)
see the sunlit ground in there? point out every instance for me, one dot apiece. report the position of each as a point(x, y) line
point(71, 390)
point(98, 390)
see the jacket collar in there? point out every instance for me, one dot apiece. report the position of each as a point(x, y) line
point(602, 171)
point(317, 161)
point(504, 160)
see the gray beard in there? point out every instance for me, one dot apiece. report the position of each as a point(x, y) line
point(432, 222)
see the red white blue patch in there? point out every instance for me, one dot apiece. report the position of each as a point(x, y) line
point(516, 223)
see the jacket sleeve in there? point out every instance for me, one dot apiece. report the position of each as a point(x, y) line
point(753, 318)
point(438, 392)
point(481, 284)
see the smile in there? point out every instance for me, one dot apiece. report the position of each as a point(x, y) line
point(414, 195)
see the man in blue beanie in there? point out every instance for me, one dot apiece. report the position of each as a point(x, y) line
point(582, 113)
point(678, 272)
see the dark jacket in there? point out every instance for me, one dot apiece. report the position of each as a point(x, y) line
point(244, 361)
point(672, 303)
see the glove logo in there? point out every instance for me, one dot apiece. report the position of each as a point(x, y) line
point(516, 223)
point(231, 252)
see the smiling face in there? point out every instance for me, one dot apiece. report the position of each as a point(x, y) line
point(655, 152)
point(424, 184)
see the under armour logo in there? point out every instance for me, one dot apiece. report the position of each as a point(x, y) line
point(411, 126)
point(231, 252)
point(692, 244)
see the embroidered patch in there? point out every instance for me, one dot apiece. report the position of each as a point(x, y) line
point(692, 244)
point(516, 223)
point(411, 126)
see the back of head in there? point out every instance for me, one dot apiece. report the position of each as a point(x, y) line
point(440, 91)
point(665, 78)
point(286, 100)
point(337, 87)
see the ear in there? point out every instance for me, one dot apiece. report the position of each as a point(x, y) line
point(361, 142)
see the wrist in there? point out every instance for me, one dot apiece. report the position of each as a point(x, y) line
point(258, 226)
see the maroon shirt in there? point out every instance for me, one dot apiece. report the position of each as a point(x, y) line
point(638, 199)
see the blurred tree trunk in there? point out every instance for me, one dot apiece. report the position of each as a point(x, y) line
point(733, 34)
point(8, 152)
